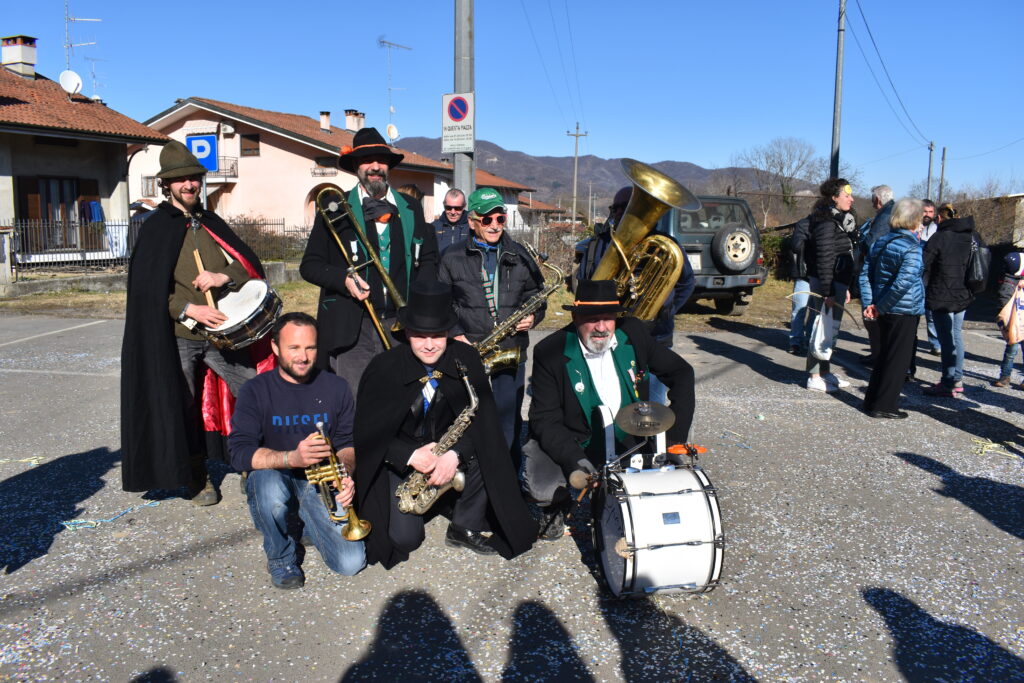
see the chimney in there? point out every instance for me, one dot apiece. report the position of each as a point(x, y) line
point(354, 120)
point(19, 55)
point(325, 121)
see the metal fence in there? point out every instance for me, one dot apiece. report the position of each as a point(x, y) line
point(75, 246)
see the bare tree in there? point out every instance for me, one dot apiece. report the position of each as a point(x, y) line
point(780, 168)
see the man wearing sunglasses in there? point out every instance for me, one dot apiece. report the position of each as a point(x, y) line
point(491, 277)
point(452, 226)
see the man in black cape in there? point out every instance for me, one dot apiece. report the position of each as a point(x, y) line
point(400, 413)
point(162, 444)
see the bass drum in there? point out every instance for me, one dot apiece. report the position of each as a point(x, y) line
point(659, 531)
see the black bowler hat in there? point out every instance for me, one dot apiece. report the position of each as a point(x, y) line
point(429, 308)
point(596, 296)
point(365, 143)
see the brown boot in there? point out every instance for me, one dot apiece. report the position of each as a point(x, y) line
point(1003, 381)
point(206, 496)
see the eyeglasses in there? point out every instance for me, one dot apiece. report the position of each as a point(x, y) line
point(499, 218)
point(453, 208)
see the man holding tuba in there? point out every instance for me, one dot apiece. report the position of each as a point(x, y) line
point(398, 242)
point(412, 397)
point(597, 361)
point(274, 437)
point(492, 277)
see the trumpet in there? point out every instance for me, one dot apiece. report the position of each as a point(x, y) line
point(327, 476)
point(343, 205)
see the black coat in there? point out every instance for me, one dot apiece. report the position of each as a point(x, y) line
point(830, 253)
point(154, 427)
point(557, 421)
point(946, 255)
point(389, 388)
point(519, 278)
point(338, 314)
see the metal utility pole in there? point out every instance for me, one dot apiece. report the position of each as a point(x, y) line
point(389, 46)
point(590, 201)
point(928, 191)
point(464, 162)
point(837, 106)
point(575, 166)
point(942, 174)
point(68, 45)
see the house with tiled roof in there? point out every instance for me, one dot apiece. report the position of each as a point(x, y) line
point(273, 164)
point(63, 159)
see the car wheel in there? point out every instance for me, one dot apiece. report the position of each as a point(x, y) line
point(739, 308)
point(734, 248)
point(725, 306)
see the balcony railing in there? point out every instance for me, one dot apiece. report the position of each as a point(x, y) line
point(228, 168)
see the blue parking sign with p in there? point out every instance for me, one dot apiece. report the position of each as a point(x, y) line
point(204, 147)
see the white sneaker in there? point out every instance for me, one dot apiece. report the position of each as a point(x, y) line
point(836, 380)
point(818, 384)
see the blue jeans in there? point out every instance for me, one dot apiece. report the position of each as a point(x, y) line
point(798, 327)
point(272, 495)
point(1009, 355)
point(933, 336)
point(948, 326)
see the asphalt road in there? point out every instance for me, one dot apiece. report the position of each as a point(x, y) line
point(857, 549)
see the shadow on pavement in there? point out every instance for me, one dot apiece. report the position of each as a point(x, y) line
point(751, 358)
point(927, 649)
point(160, 674)
point(35, 502)
point(415, 641)
point(1001, 504)
point(541, 648)
point(970, 420)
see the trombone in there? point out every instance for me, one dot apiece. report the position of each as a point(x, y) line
point(343, 205)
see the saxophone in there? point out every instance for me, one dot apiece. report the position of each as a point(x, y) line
point(496, 359)
point(415, 495)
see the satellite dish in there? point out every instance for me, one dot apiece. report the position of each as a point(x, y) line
point(70, 82)
point(392, 131)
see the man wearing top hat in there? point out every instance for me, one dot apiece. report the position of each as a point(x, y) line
point(598, 360)
point(396, 231)
point(408, 398)
point(169, 369)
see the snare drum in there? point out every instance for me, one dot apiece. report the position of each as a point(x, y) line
point(659, 531)
point(251, 313)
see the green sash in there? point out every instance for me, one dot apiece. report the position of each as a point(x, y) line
point(408, 225)
point(624, 359)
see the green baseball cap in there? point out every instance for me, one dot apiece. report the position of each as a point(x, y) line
point(484, 201)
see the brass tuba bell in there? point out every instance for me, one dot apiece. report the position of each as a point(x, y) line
point(645, 267)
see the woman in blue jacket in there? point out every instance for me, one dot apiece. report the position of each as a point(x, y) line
point(892, 292)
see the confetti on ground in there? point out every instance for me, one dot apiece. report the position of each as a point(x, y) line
point(75, 524)
point(735, 439)
point(985, 446)
point(33, 461)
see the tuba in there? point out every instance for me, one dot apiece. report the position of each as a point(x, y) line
point(645, 267)
point(327, 476)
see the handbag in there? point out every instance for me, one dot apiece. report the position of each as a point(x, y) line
point(1011, 318)
point(821, 335)
point(976, 276)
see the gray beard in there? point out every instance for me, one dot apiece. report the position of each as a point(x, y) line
point(597, 345)
point(375, 187)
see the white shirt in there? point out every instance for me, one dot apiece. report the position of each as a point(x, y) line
point(603, 375)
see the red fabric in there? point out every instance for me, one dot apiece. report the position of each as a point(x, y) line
point(218, 403)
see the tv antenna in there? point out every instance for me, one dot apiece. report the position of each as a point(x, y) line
point(92, 73)
point(68, 45)
point(389, 46)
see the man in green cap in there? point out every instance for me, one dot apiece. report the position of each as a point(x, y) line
point(163, 351)
point(492, 277)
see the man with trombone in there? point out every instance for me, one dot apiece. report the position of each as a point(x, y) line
point(492, 277)
point(365, 248)
point(276, 434)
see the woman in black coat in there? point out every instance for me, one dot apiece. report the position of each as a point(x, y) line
point(830, 256)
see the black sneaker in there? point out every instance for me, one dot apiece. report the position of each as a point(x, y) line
point(552, 526)
point(287, 578)
point(457, 537)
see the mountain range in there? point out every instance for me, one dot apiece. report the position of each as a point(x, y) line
point(551, 177)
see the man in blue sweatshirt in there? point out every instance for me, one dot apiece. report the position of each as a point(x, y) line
point(274, 437)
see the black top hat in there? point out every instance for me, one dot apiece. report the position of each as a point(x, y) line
point(596, 296)
point(429, 308)
point(367, 142)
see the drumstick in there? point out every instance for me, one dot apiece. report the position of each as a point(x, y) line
point(199, 265)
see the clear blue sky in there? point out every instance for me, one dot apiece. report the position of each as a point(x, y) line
point(680, 79)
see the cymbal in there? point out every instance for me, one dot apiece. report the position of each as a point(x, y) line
point(644, 418)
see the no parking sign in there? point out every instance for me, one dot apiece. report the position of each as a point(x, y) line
point(457, 122)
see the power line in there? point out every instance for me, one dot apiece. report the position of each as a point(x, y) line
point(575, 68)
point(975, 156)
point(886, 70)
point(543, 65)
point(561, 60)
point(897, 154)
point(881, 90)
